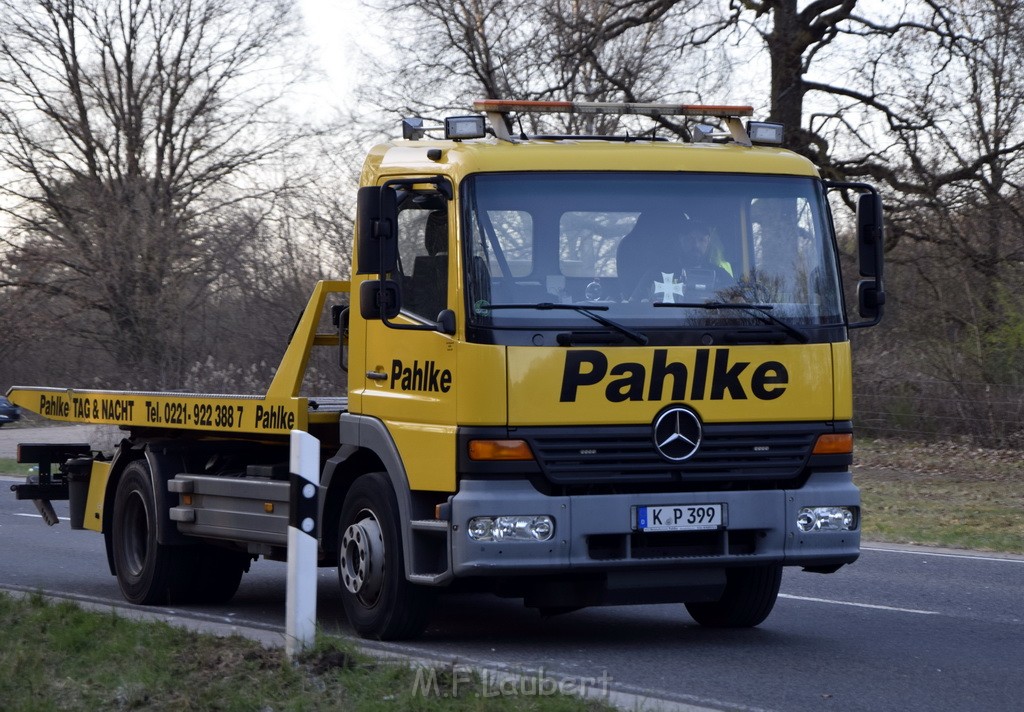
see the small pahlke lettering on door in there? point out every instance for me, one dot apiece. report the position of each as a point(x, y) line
point(428, 377)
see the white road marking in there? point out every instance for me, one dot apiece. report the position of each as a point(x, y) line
point(859, 605)
point(38, 516)
point(914, 552)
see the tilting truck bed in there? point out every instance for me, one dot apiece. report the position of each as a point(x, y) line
point(278, 412)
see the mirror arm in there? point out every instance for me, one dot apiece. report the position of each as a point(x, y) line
point(870, 292)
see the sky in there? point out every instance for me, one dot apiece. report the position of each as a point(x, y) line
point(338, 30)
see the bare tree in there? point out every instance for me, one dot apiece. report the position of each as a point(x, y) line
point(960, 208)
point(587, 50)
point(132, 136)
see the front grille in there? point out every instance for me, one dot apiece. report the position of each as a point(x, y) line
point(626, 454)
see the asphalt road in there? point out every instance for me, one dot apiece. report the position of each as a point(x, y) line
point(903, 628)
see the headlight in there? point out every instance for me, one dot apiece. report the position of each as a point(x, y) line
point(826, 519)
point(529, 527)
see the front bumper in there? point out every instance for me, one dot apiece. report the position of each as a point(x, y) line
point(595, 533)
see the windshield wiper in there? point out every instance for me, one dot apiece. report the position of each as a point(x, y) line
point(585, 311)
point(761, 309)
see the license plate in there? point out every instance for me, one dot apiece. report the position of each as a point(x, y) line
point(680, 517)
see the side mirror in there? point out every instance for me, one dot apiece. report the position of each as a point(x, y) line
point(870, 236)
point(376, 230)
point(870, 251)
point(870, 300)
point(379, 299)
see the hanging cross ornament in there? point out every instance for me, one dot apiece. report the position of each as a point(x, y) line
point(668, 288)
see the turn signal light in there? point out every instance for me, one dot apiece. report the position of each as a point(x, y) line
point(499, 450)
point(834, 444)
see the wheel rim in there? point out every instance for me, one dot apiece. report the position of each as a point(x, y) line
point(361, 560)
point(135, 538)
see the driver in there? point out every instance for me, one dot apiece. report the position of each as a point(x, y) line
point(694, 270)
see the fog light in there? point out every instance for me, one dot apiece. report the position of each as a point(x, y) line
point(825, 519)
point(529, 527)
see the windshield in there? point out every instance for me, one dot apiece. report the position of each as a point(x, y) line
point(629, 244)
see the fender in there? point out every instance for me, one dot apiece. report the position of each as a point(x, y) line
point(368, 445)
point(165, 462)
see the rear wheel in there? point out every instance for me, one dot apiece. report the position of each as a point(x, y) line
point(216, 574)
point(379, 601)
point(748, 598)
point(147, 572)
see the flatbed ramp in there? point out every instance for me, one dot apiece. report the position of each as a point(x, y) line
point(278, 412)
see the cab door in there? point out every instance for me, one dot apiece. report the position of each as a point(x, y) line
point(411, 380)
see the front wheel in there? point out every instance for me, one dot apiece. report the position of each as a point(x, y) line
point(379, 601)
point(748, 598)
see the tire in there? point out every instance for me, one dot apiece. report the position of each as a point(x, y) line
point(748, 598)
point(380, 603)
point(216, 574)
point(147, 572)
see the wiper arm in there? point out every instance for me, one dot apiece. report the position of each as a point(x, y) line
point(588, 311)
point(761, 309)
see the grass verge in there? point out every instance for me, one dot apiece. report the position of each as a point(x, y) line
point(9, 466)
point(941, 494)
point(56, 656)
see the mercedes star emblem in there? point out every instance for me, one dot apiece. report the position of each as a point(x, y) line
point(677, 433)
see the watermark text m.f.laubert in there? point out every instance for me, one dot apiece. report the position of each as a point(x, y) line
point(464, 680)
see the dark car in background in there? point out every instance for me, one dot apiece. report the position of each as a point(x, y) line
point(8, 411)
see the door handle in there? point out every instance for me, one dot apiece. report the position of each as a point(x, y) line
point(376, 375)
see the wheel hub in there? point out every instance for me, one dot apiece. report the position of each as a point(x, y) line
point(361, 559)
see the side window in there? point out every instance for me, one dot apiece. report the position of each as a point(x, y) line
point(423, 261)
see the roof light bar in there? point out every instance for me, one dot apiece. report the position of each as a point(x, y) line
point(600, 107)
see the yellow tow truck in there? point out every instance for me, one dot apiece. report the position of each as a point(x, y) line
point(582, 370)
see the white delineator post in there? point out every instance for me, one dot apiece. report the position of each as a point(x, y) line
point(300, 601)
